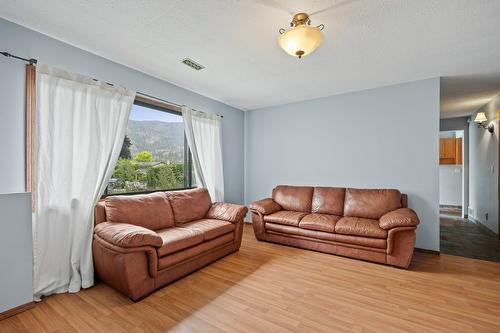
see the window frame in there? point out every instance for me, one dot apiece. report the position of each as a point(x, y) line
point(162, 106)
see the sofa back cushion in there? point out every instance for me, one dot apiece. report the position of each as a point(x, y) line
point(328, 200)
point(189, 205)
point(372, 203)
point(295, 198)
point(151, 211)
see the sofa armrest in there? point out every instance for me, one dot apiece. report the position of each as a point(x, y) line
point(227, 212)
point(127, 235)
point(265, 206)
point(402, 217)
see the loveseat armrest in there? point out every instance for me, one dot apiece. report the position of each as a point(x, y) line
point(265, 206)
point(127, 235)
point(227, 212)
point(402, 217)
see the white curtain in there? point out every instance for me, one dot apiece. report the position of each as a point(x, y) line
point(80, 127)
point(203, 134)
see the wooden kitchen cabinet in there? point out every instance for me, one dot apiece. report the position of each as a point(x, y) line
point(450, 151)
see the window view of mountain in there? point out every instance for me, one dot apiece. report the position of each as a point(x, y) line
point(152, 155)
point(164, 140)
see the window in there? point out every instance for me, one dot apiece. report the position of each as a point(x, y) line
point(155, 155)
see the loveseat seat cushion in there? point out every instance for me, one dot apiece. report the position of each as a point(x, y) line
point(328, 200)
point(189, 205)
point(370, 203)
point(293, 198)
point(176, 239)
point(206, 248)
point(319, 222)
point(151, 211)
point(210, 228)
point(285, 217)
point(360, 227)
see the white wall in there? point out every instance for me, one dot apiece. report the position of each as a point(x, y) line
point(30, 44)
point(450, 185)
point(483, 173)
point(379, 138)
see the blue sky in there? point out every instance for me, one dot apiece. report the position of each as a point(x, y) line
point(142, 113)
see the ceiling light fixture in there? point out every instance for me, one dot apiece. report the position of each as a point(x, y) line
point(301, 39)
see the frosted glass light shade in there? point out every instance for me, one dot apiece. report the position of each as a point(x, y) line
point(480, 118)
point(301, 40)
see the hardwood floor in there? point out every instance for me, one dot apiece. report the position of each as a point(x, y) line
point(273, 288)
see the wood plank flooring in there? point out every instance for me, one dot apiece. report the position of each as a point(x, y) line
point(272, 288)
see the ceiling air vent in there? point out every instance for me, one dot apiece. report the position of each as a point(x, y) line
point(193, 64)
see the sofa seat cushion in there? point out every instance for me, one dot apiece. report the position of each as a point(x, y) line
point(176, 239)
point(210, 228)
point(319, 222)
point(285, 217)
point(360, 227)
point(374, 243)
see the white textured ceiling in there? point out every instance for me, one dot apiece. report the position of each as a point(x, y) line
point(368, 43)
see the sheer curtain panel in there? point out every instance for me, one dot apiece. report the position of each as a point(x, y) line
point(204, 136)
point(80, 125)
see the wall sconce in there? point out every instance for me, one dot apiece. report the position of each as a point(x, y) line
point(481, 122)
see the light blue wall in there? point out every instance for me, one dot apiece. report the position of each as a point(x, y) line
point(379, 138)
point(16, 251)
point(12, 132)
point(30, 44)
point(483, 166)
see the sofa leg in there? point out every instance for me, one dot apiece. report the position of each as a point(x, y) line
point(402, 251)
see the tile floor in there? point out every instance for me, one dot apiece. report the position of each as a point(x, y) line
point(462, 237)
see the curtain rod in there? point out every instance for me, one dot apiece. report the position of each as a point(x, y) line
point(172, 103)
point(8, 55)
point(33, 61)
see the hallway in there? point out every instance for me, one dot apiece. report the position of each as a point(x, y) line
point(462, 237)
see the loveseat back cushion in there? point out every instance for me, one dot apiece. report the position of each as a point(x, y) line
point(293, 198)
point(189, 205)
point(328, 200)
point(371, 203)
point(151, 211)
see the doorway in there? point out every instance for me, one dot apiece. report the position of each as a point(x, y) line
point(451, 173)
point(468, 190)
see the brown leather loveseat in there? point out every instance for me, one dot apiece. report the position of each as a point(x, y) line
point(368, 224)
point(142, 242)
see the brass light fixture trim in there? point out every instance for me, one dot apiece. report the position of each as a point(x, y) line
point(299, 19)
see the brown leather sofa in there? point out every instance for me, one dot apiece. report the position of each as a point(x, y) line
point(142, 242)
point(373, 225)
